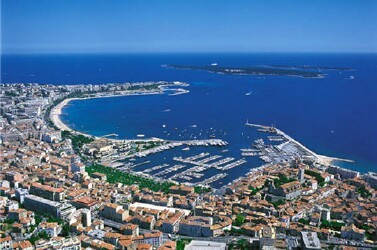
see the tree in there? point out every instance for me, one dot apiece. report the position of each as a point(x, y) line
point(240, 219)
point(115, 176)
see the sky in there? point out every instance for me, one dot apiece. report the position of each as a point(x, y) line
point(113, 26)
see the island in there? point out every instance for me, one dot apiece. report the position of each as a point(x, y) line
point(255, 70)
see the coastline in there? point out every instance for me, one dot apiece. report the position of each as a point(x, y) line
point(55, 115)
point(56, 111)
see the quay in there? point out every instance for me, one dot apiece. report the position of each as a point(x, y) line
point(320, 158)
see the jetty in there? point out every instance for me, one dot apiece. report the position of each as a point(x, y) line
point(292, 142)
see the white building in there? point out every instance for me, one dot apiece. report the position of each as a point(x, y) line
point(86, 217)
point(205, 245)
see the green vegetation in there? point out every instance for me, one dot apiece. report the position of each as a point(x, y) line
point(282, 180)
point(237, 231)
point(114, 176)
point(253, 70)
point(39, 217)
point(332, 225)
point(202, 190)
point(304, 221)
point(181, 243)
point(241, 244)
point(151, 144)
point(10, 94)
point(317, 176)
point(368, 235)
point(240, 219)
point(363, 192)
point(254, 190)
point(40, 235)
point(9, 221)
point(266, 183)
point(366, 227)
point(6, 225)
point(148, 87)
point(276, 204)
point(77, 140)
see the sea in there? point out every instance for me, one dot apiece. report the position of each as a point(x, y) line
point(334, 116)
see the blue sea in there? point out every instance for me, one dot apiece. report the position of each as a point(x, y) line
point(334, 116)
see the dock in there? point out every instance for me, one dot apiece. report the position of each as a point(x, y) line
point(290, 147)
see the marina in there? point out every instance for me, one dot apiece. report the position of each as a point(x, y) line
point(210, 161)
point(169, 170)
point(206, 168)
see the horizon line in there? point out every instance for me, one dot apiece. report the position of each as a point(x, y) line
point(183, 52)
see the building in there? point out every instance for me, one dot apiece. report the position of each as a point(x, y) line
point(27, 217)
point(114, 212)
point(171, 225)
point(98, 148)
point(267, 237)
point(77, 165)
point(352, 233)
point(56, 209)
point(100, 176)
point(371, 178)
point(196, 226)
point(310, 241)
point(14, 177)
point(25, 245)
point(52, 229)
point(59, 243)
point(51, 136)
point(147, 222)
point(288, 191)
point(205, 245)
point(70, 244)
point(21, 194)
point(144, 246)
point(47, 192)
point(344, 173)
point(325, 214)
point(181, 190)
point(85, 202)
point(301, 174)
point(86, 216)
point(10, 205)
point(154, 238)
point(6, 243)
point(4, 183)
point(130, 229)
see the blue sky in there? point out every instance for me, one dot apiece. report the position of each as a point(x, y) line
point(66, 26)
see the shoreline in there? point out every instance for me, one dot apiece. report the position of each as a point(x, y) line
point(56, 112)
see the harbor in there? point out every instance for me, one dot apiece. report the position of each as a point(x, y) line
point(203, 162)
point(197, 154)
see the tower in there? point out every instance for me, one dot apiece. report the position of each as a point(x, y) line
point(86, 217)
point(76, 165)
point(301, 173)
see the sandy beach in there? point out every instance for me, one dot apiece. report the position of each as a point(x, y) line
point(55, 115)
